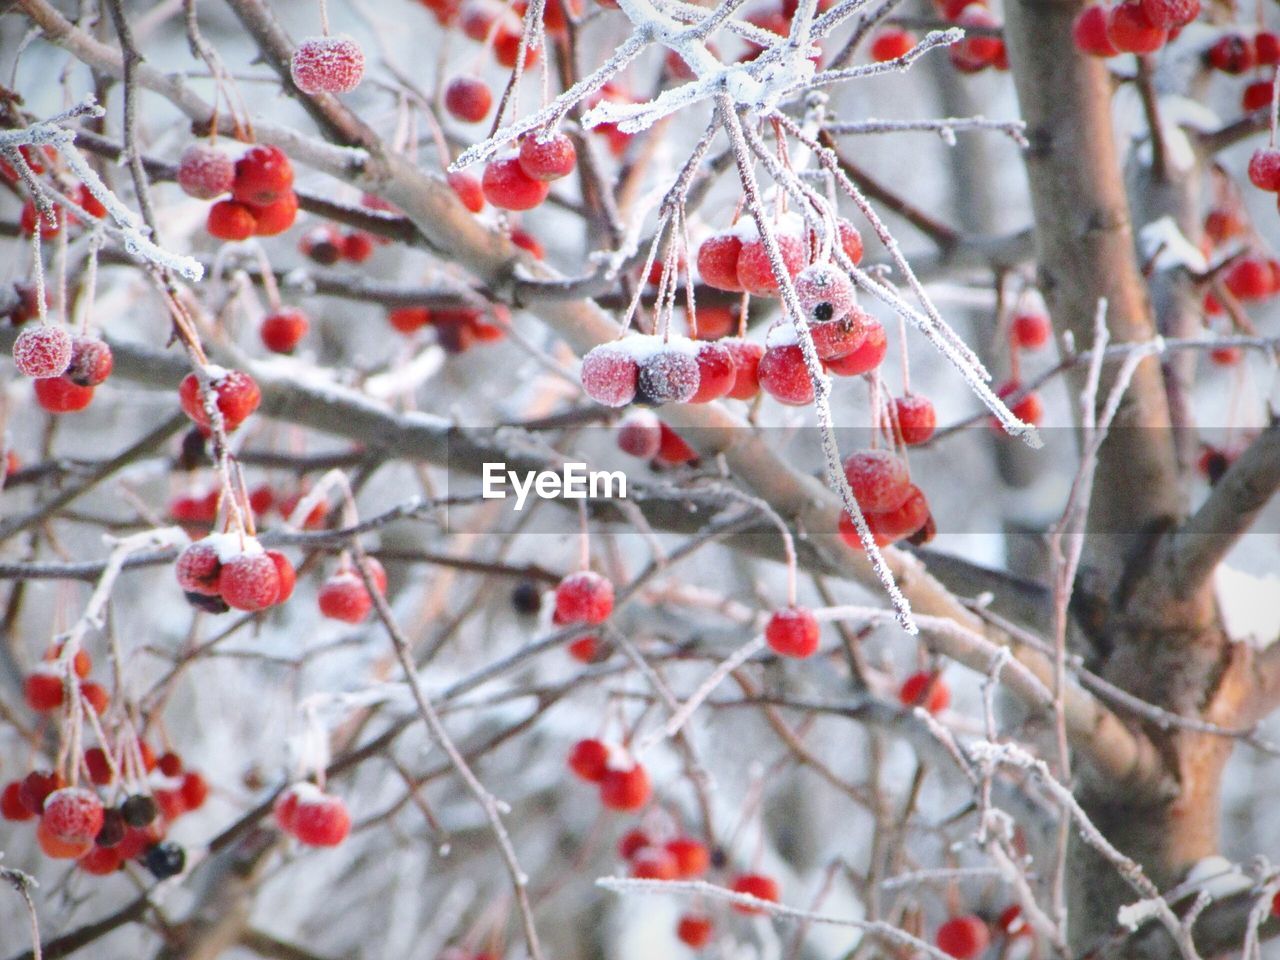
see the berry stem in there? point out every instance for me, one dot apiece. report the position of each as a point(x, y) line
point(324, 18)
point(1275, 106)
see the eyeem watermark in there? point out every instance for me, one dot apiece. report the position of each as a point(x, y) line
point(573, 482)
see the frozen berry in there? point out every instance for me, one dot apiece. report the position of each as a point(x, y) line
point(1012, 923)
point(718, 261)
point(584, 597)
point(916, 418)
point(964, 937)
point(609, 375)
point(506, 47)
point(231, 220)
point(585, 649)
point(625, 789)
point(235, 394)
point(640, 434)
point(91, 362)
point(717, 373)
point(50, 222)
point(589, 759)
point(1264, 168)
point(194, 790)
point(837, 339)
point(321, 820)
point(263, 176)
point(282, 330)
point(868, 355)
point(249, 582)
point(1130, 31)
point(879, 480)
point(113, 828)
point(508, 187)
point(784, 376)
point(73, 814)
point(754, 885)
point(746, 364)
point(327, 65)
point(468, 98)
point(36, 787)
point(792, 632)
point(199, 568)
point(825, 292)
point(755, 270)
point(43, 351)
point(60, 395)
point(850, 240)
point(668, 375)
point(205, 172)
point(95, 696)
point(891, 43)
point(286, 576)
point(275, 218)
point(547, 159)
point(1168, 14)
point(56, 848)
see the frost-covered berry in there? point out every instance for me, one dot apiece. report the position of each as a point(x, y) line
point(1090, 32)
point(49, 223)
point(1031, 329)
point(879, 480)
point(609, 375)
point(850, 240)
point(1168, 14)
point(1130, 31)
point(231, 220)
point(589, 759)
point(746, 364)
point(198, 568)
point(717, 372)
point(668, 375)
point(916, 418)
point(236, 395)
point(43, 351)
point(718, 261)
point(468, 98)
point(835, 339)
point(825, 292)
point(924, 689)
point(275, 218)
point(321, 820)
point(283, 329)
point(60, 395)
point(55, 848)
point(866, 357)
point(205, 172)
point(344, 597)
point(508, 187)
point(784, 376)
point(584, 597)
point(640, 434)
point(73, 814)
point(547, 159)
point(627, 789)
point(1264, 167)
point(91, 362)
point(506, 47)
point(263, 176)
point(903, 521)
point(286, 576)
point(755, 885)
point(755, 271)
point(327, 65)
point(249, 582)
point(792, 632)
point(467, 189)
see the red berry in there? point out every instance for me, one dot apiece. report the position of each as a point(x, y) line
point(1030, 330)
point(467, 189)
point(235, 393)
point(717, 373)
point(672, 450)
point(36, 786)
point(323, 244)
point(1012, 923)
point(282, 330)
point(101, 861)
point(589, 759)
point(692, 857)
point(668, 375)
point(547, 159)
point(1264, 167)
point(1266, 46)
point(1233, 53)
point(1249, 278)
point(746, 363)
point(640, 434)
point(327, 65)
point(609, 375)
point(926, 690)
point(95, 761)
point(506, 47)
point(1168, 14)
point(194, 790)
point(903, 521)
point(850, 241)
point(60, 395)
point(978, 51)
point(694, 930)
point(825, 292)
point(879, 480)
point(409, 319)
point(755, 272)
point(357, 246)
point(632, 842)
point(249, 582)
point(963, 937)
point(584, 597)
point(170, 764)
point(718, 261)
point(916, 418)
point(1029, 409)
point(714, 321)
point(275, 218)
point(837, 339)
point(204, 172)
point(344, 597)
point(11, 805)
point(584, 649)
point(792, 632)
point(891, 43)
point(1256, 96)
point(199, 568)
point(1223, 223)
point(28, 307)
point(1225, 356)
point(654, 863)
point(285, 575)
point(468, 98)
point(43, 690)
point(72, 814)
point(91, 362)
point(508, 187)
point(784, 376)
point(229, 220)
point(50, 223)
point(285, 808)
point(321, 820)
point(1130, 31)
point(56, 848)
point(43, 351)
point(264, 176)
point(755, 885)
point(625, 789)
point(96, 696)
point(866, 357)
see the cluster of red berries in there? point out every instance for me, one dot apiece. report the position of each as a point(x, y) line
point(680, 858)
point(643, 435)
point(66, 368)
point(457, 328)
point(736, 260)
point(327, 65)
point(198, 510)
point(1132, 26)
point(982, 46)
point(227, 571)
point(315, 818)
point(583, 598)
point(44, 689)
point(653, 370)
point(521, 179)
point(235, 394)
point(894, 507)
point(262, 202)
point(326, 245)
point(343, 595)
point(623, 782)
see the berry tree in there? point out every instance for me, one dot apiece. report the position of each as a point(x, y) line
point(939, 617)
